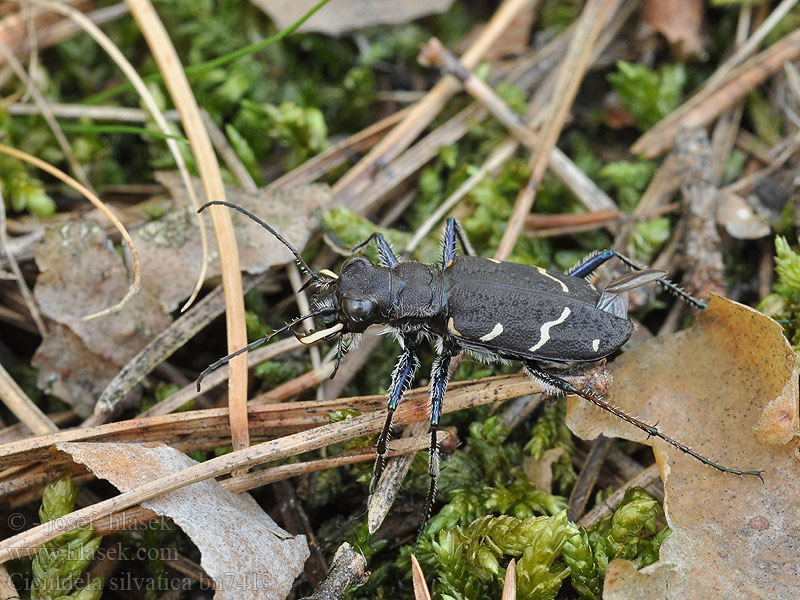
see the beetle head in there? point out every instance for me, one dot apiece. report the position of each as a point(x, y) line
point(358, 297)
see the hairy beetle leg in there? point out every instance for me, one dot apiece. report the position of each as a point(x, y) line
point(593, 262)
point(566, 387)
point(402, 376)
point(440, 376)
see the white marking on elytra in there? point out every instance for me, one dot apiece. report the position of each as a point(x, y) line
point(498, 329)
point(328, 273)
point(321, 334)
point(558, 281)
point(545, 332)
point(452, 328)
point(595, 345)
point(494, 260)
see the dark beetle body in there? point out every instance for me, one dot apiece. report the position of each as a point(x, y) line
point(495, 310)
point(534, 314)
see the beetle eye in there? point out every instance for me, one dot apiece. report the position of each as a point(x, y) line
point(358, 311)
point(328, 318)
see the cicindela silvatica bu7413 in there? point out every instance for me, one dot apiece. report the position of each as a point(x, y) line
point(493, 310)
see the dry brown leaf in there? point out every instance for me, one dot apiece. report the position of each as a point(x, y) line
point(81, 273)
point(336, 18)
point(710, 386)
point(68, 370)
point(170, 246)
point(242, 548)
point(680, 22)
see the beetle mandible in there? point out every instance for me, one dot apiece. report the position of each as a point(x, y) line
point(493, 310)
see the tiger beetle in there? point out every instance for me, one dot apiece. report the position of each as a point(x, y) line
point(495, 311)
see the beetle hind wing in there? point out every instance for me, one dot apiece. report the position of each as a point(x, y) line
point(614, 298)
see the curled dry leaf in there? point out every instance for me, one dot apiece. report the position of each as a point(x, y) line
point(336, 18)
point(68, 370)
point(739, 219)
point(728, 386)
point(80, 273)
point(170, 246)
point(242, 548)
point(680, 22)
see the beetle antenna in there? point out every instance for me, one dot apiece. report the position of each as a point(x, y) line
point(258, 342)
point(247, 213)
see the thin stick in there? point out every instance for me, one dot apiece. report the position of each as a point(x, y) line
point(589, 27)
point(81, 111)
point(7, 589)
point(134, 517)
point(175, 79)
point(719, 94)
point(499, 156)
point(57, 173)
point(23, 407)
point(422, 113)
point(319, 165)
point(189, 392)
point(584, 188)
point(413, 409)
point(33, 307)
point(50, 33)
point(40, 101)
point(155, 112)
point(600, 511)
point(159, 348)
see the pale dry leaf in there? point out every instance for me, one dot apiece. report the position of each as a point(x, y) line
point(170, 246)
point(539, 472)
point(739, 219)
point(341, 16)
point(681, 23)
point(243, 550)
point(80, 273)
point(709, 386)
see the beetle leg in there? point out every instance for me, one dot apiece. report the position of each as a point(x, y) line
point(440, 376)
point(593, 261)
point(454, 231)
point(551, 381)
point(402, 376)
point(387, 257)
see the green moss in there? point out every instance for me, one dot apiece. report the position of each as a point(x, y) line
point(58, 565)
point(647, 94)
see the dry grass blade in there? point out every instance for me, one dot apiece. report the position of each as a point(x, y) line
point(167, 58)
point(41, 103)
point(5, 247)
point(23, 407)
point(421, 591)
point(152, 107)
point(715, 99)
point(58, 174)
point(510, 581)
point(421, 114)
point(414, 409)
point(571, 72)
